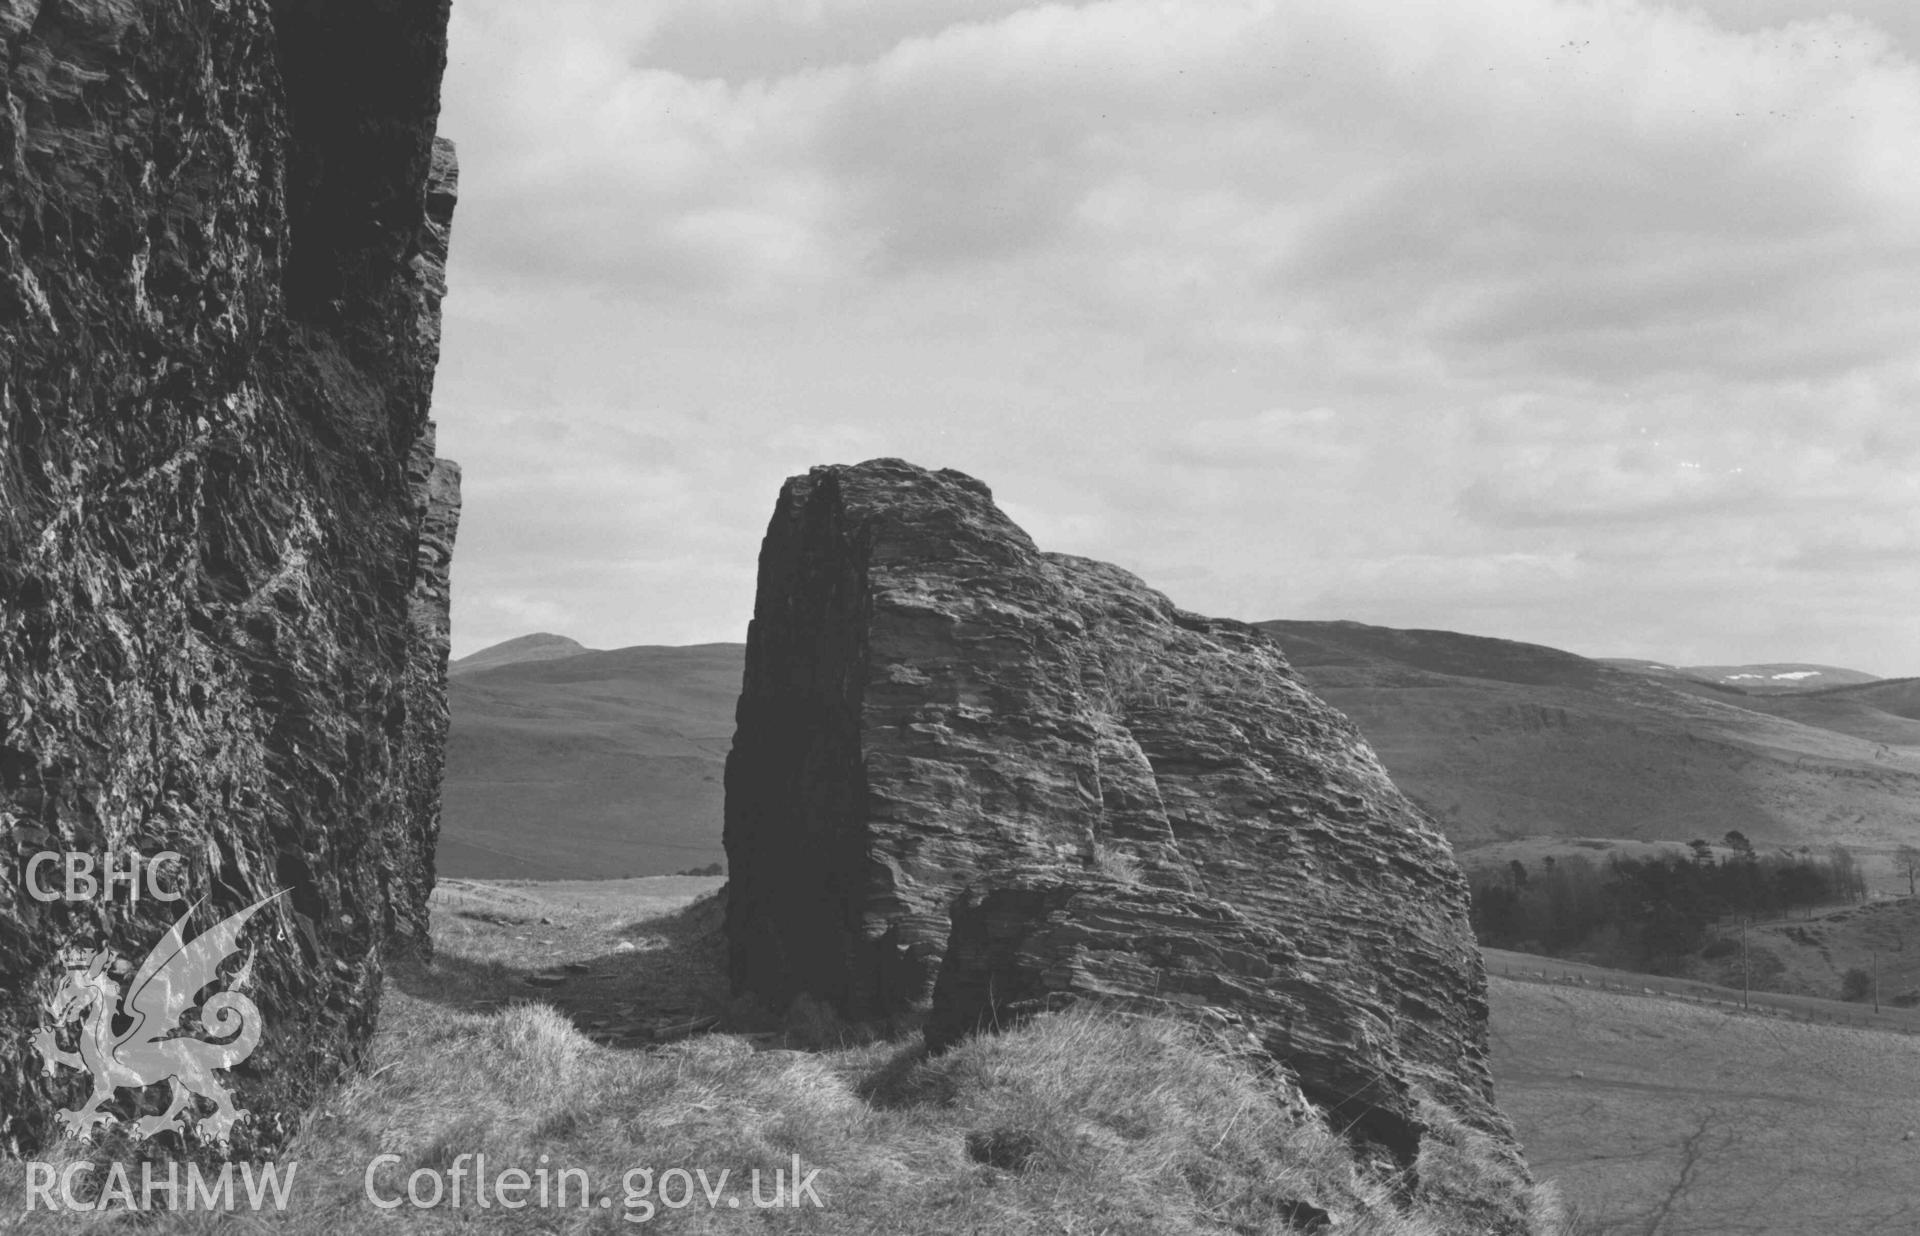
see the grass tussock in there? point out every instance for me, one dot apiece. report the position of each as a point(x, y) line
point(1078, 1121)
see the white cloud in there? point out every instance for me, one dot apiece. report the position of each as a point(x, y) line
point(1276, 436)
point(1363, 303)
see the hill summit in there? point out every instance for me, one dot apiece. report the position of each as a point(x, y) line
point(540, 646)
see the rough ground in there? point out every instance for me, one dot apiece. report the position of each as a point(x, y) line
point(1790, 1127)
point(1652, 1115)
point(1077, 1122)
point(616, 957)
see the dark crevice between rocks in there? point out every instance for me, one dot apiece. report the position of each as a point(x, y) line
point(362, 82)
point(1362, 1119)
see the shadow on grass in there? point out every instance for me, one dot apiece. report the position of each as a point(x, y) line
point(900, 1083)
point(627, 985)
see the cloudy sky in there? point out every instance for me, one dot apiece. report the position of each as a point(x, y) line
point(1595, 324)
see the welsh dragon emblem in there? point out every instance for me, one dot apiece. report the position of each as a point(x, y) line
point(158, 996)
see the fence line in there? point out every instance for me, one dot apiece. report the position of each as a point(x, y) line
point(1812, 1016)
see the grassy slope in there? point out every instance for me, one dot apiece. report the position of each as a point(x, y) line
point(595, 765)
point(1880, 712)
point(1817, 951)
point(1500, 739)
point(540, 646)
point(1075, 1123)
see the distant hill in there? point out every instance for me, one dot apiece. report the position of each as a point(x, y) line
point(539, 646)
point(1778, 678)
point(1880, 710)
point(1500, 739)
point(593, 765)
point(1375, 653)
point(607, 764)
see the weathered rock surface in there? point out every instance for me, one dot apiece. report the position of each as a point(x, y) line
point(433, 485)
point(943, 730)
point(223, 538)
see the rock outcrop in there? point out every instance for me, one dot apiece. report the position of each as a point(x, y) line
point(1032, 777)
point(223, 537)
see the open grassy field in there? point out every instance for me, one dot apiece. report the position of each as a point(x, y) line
point(1664, 1117)
point(1792, 1006)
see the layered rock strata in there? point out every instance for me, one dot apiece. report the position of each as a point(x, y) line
point(223, 537)
point(1035, 778)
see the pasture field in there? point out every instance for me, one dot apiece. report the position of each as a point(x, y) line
point(1665, 1117)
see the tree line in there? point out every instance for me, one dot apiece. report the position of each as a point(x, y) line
point(1650, 914)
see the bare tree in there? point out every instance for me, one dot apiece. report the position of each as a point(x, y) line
point(1907, 859)
point(1847, 878)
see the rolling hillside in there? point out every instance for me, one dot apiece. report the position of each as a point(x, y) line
point(575, 764)
point(1774, 678)
point(1885, 710)
point(594, 765)
point(540, 646)
point(1501, 739)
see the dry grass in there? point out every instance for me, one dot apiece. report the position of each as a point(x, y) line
point(1076, 1122)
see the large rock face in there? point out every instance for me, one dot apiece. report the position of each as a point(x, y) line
point(945, 732)
point(223, 538)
